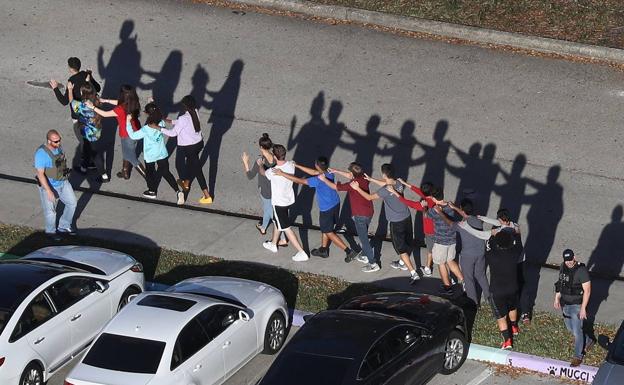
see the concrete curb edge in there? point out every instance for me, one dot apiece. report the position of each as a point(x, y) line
point(473, 34)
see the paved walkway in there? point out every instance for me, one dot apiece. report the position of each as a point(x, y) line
point(235, 238)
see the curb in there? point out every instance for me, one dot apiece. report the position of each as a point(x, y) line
point(473, 34)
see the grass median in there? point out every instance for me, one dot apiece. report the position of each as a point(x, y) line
point(309, 292)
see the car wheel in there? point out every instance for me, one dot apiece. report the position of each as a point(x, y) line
point(32, 375)
point(127, 297)
point(455, 352)
point(275, 333)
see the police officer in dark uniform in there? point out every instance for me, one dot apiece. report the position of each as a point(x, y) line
point(572, 291)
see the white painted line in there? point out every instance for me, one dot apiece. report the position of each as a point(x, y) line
point(481, 377)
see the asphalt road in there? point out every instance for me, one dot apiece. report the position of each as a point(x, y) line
point(346, 92)
point(471, 373)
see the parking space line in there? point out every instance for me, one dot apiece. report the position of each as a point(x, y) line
point(481, 377)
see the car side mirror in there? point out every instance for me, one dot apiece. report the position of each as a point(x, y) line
point(243, 316)
point(100, 286)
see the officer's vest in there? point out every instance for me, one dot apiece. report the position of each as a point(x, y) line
point(571, 293)
point(59, 170)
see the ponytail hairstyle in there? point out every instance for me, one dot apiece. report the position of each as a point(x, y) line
point(87, 92)
point(129, 100)
point(190, 106)
point(154, 116)
point(265, 142)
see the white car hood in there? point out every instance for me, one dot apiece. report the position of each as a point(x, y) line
point(237, 289)
point(97, 376)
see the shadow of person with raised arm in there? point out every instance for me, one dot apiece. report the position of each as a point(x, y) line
point(543, 219)
point(309, 143)
point(512, 193)
point(606, 260)
point(435, 157)
point(223, 106)
point(366, 145)
point(123, 67)
point(468, 174)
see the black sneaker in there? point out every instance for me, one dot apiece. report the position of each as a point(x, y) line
point(320, 252)
point(414, 277)
point(149, 194)
point(351, 256)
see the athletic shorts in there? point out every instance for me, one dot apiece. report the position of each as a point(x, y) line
point(502, 305)
point(429, 242)
point(442, 253)
point(402, 234)
point(281, 217)
point(328, 219)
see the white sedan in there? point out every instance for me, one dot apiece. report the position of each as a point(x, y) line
point(198, 332)
point(53, 303)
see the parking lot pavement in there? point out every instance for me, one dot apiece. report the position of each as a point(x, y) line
point(471, 373)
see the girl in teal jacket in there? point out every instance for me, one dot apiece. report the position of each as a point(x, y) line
point(154, 152)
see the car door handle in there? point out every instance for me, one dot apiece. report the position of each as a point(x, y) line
point(197, 367)
point(75, 317)
point(226, 344)
point(39, 340)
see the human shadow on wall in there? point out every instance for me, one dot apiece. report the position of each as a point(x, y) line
point(606, 260)
point(543, 219)
point(223, 106)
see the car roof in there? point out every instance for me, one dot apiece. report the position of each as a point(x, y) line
point(19, 278)
point(95, 260)
point(153, 319)
point(342, 333)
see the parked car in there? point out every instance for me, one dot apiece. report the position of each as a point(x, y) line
point(611, 372)
point(54, 301)
point(200, 331)
point(383, 338)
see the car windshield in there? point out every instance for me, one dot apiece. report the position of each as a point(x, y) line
point(302, 369)
point(125, 354)
point(4, 319)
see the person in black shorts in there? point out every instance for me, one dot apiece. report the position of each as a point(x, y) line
point(501, 255)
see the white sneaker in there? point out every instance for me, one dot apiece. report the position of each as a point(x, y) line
point(270, 246)
point(300, 256)
point(371, 268)
point(362, 258)
point(427, 271)
point(180, 198)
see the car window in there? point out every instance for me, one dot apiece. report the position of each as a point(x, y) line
point(125, 354)
point(68, 291)
point(35, 315)
point(5, 315)
point(217, 318)
point(388, 347)
point(191, 339)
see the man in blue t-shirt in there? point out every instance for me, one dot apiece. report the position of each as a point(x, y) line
point(52, 172)
point(329, 207)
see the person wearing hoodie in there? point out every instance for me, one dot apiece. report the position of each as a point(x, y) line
point(154, 152)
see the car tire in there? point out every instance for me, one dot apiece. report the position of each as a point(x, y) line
point(125, 298)
point(32, 375)
point(274, 333)
point(455, 352)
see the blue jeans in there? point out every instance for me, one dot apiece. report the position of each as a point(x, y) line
point(64, 193)
point(575, 325)
point(267, 211)
point(361, 226)
point(128, 150)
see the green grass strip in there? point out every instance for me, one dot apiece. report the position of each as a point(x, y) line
point(545, 337)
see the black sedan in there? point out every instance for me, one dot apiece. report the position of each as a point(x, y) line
point(383, 338)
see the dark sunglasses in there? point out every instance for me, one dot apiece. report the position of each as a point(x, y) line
point(56, 141)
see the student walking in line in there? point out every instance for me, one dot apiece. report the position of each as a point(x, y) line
point(127, 103)
point(90, 127)
point(361, 210)
point(77, 78)
point(443, 250)
point(572, 292)
point(428, 226)
point(154, 152)
point(329, 207)
point(52, 173)
point(265, 161)
point(190, 141)
point(282, 198)
point(397, 214)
